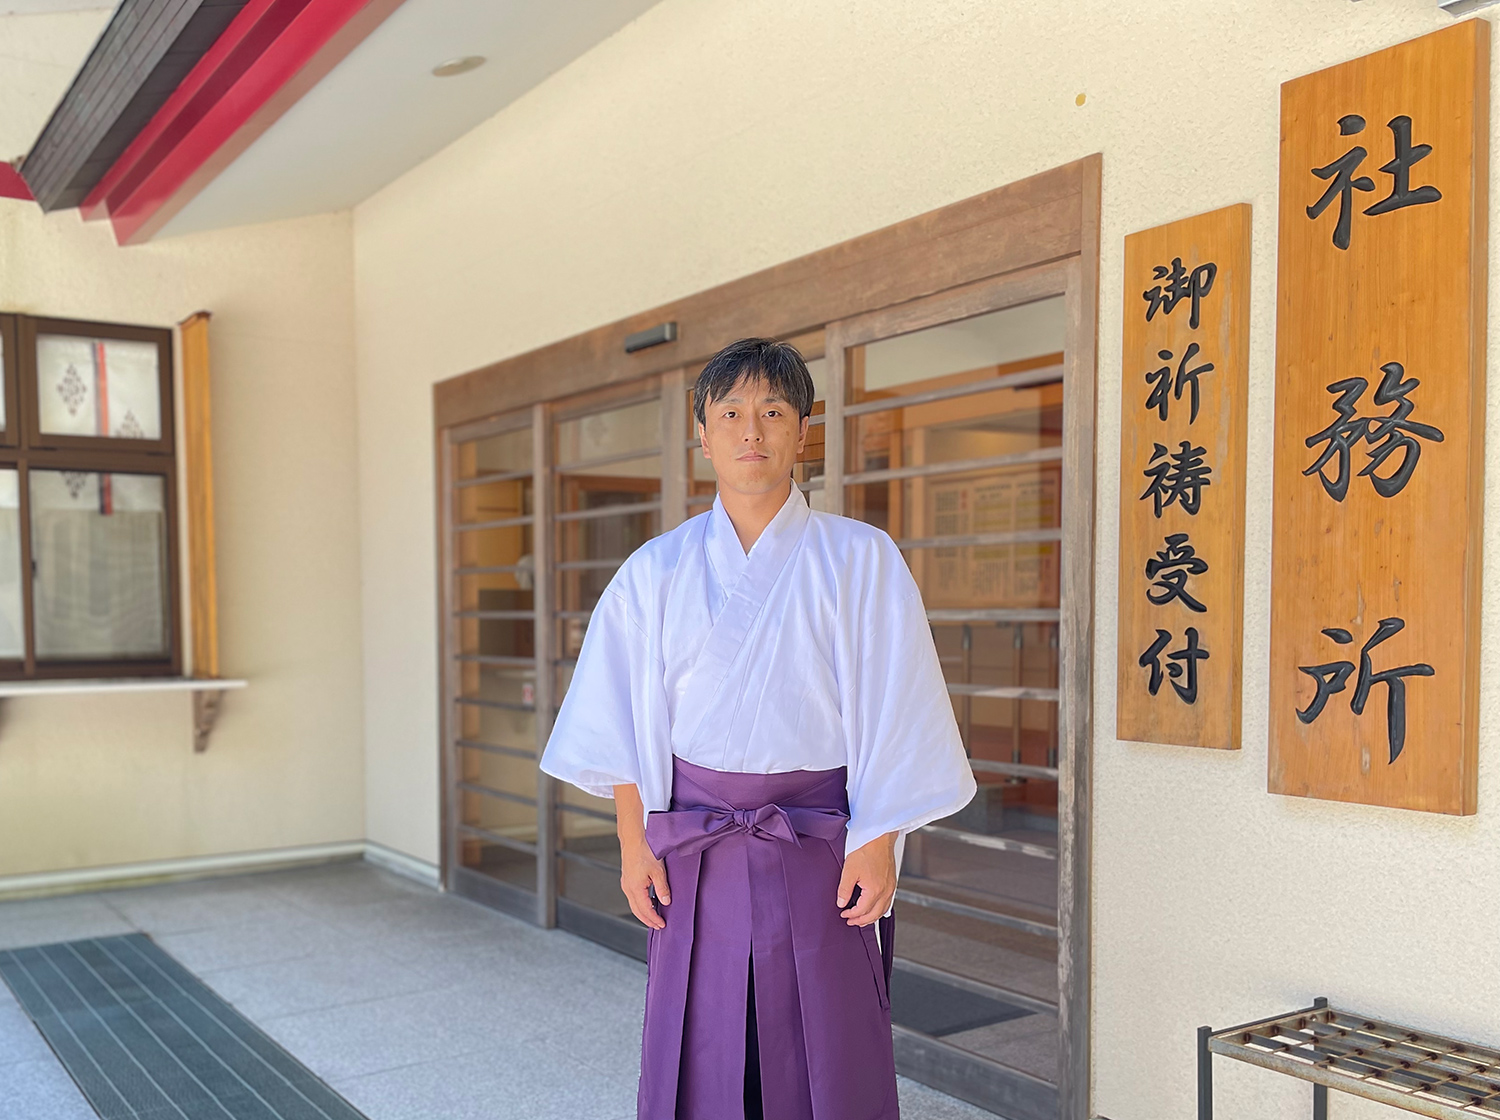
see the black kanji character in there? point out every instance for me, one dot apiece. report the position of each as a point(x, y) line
point(1179, 284)
point(1385, 434)
point(1333, 678)
point(1162, 382)
point(1177, 477)
point(1183, 665)
point(1169, 570)
point(1344, 184)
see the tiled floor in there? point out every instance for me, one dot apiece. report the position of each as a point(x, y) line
point(410, 1003)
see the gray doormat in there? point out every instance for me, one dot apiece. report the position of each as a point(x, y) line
point(935, 1008)
point(145, 1039)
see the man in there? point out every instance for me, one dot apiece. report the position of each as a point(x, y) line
point(759, 691)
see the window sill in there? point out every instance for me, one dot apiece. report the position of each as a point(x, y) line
point(119, 684)
point(208, 694)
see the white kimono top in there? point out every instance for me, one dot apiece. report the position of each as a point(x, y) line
point(811, 652)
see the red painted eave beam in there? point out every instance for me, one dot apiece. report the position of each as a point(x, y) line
point(267, 58)
point(11, 183)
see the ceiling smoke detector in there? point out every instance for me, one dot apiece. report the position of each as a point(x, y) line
point(458, 66)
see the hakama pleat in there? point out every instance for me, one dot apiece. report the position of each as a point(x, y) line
point(753, 862)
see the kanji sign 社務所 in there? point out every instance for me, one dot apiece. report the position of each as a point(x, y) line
point(1378, 431)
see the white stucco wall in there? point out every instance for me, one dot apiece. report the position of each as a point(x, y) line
point(100, 780)
point(712, 138)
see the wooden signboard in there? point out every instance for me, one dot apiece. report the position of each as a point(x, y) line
point(1182, 480)
point(1379, 439)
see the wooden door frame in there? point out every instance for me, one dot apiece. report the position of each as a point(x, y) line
point(1049, 219)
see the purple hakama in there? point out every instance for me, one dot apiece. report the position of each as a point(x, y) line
point(753, 864)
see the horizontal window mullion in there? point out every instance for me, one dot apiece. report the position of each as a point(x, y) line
point(496, 659)
point(956, 466)
point(102, 460)
point(587, 565)
point(978, 987)
point(1025, 379)
point(502, 794)
point(56, 669)
point(496, 476)
point(1004, 692)
point(498, 523)
point(495, 748)
point(564, 415)
point(995, 614)
point(503, 705)
point(585, 811)
point(1014, 769)
point(936, 902)
point(497, 838)
point(516, 616)
point(608, 511)
point(979, 540)
point(993, 843)
point(589, 861)
point(585, 465)
point(492, 569)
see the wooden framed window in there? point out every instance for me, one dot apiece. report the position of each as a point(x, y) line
point(88, 501)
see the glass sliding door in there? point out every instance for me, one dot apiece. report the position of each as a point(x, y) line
point(608, 482)
point(491, 802)
point(950, 418)
point(541, 509)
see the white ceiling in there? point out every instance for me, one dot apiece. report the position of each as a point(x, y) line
point(381, 112)
point(41, 48)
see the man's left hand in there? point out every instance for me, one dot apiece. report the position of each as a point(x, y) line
point(873, 869)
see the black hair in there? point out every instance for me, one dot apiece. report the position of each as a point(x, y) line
point(778, 363)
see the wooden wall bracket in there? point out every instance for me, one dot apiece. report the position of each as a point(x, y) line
point(208, 694)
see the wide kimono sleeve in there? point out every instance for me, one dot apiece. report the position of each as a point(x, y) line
point(907, 760)
point(596, 741)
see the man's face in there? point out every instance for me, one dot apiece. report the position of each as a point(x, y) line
point(752, 437)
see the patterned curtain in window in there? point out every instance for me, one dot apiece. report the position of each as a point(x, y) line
point(100, 583)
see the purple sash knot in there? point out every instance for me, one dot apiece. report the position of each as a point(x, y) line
point(687, 832)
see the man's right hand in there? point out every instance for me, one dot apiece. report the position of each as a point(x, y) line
point(640, 870)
